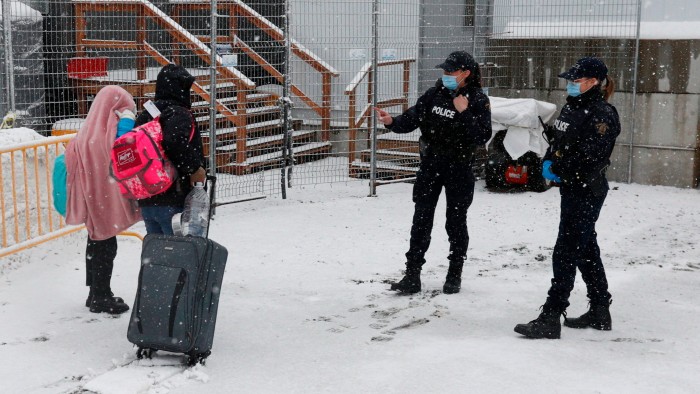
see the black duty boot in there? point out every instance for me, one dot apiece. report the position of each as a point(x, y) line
point(547, 325)
point(598, 317)
point(410, 283)
point(453, 281)
point(109, 304)
point(88, 301)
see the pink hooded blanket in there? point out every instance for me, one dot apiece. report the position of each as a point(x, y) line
point(93, 196)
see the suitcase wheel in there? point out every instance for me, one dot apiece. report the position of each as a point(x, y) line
point(197, 358)
point(146, 352)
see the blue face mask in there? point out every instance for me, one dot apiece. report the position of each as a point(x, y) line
point(573, 89)
point(450, 82)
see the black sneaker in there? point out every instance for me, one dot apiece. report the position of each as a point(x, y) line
point(410, 284)
point(547, 325)
point(598, 317)
point(111, 304)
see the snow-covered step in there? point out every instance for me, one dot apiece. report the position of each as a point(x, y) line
point(272, 140)
point(395, 156)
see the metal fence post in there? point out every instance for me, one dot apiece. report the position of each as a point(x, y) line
point(285, 104)
point(375, 79)
point(212, 98)
point(9, 59)
point(634, 91)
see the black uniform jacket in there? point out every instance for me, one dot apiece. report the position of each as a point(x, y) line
point(173, 100)
point(585, 134)
point(444, 130)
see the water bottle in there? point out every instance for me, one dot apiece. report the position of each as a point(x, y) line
point(195, 216)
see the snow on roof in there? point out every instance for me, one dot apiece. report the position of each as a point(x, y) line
point(668, 30)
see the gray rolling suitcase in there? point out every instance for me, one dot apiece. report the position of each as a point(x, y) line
point(178, 295)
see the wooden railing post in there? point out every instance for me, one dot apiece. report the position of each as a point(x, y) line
point(241, 129)
point(370, 92)
point(352, 127)
point(79, 29)
point(141, 41)
point(326, 108)
point(406, 82)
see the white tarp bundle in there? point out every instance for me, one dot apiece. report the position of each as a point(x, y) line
point(519, 117)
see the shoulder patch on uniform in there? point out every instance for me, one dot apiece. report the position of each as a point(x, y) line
point(602, 128)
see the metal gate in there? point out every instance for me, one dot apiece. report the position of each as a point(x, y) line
point(282, 110)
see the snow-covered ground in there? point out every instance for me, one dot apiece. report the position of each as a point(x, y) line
point(305, 306)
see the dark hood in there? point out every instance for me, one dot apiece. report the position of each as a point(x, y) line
point(173, 84)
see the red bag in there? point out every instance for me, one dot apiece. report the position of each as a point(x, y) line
point(516, 174)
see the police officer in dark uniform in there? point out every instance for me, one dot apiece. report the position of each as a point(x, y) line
point(454, 117)
point(583, 140)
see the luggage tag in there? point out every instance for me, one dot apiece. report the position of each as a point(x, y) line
point(152, 109)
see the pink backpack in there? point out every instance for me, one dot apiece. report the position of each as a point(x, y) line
point(139, 164)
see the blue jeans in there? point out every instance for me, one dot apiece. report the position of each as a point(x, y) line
point(158, 219)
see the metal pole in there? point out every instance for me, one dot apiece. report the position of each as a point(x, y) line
point(285, 173)
point(375, 79)
point(288, 131)
point(634, 91)
point(476, 6)
point(212, 93)
point(9, 59)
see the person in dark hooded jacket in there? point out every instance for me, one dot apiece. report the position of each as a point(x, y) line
point(182, 145)
point(454, 117)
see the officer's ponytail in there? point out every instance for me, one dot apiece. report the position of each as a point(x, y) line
point(608, 89)
point(474, 79)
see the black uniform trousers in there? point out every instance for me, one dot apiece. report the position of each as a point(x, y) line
point(456, 177)
point(99, 263)
point(577, 247)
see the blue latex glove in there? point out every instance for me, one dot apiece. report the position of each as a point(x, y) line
point(547, 172)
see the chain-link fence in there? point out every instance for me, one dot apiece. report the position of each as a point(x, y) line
point(278, 110)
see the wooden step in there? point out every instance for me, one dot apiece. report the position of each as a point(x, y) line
point(253, 130)
point(263, 145)
point(407, 142)
point(302, 154)
point(230, 101)
point(398, 157)
point(394, 144)
point(385, 170)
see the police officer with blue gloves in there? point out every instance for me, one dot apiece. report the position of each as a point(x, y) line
point(454, 117)
point(583, 140)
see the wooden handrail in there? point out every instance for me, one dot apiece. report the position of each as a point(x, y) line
point(326, 70)
point(355, 122)
point(278, 35)
point(158, 16)
point(276, 74)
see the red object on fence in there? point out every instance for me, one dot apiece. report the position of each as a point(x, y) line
point(87, 67)
point(516, 174)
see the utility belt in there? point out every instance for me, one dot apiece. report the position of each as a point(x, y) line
point(465, 154)
point(595, 181)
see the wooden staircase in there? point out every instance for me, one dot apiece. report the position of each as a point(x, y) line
point(397, 157)
point(248, 129)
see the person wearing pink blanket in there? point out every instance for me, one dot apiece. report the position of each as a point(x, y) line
point(93, 198)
